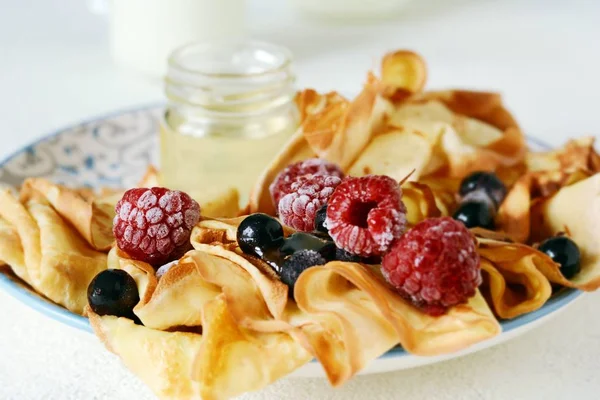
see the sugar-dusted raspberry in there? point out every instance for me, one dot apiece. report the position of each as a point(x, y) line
point(434, 265)
point(365, 215)
point(314, 166)
point(308, 194)
point(154, 225)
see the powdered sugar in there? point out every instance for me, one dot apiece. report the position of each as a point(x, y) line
point(147, 200)
point(365, 215)
point(284, 181)
point(152, 224)
point(154, 215)
point(310, 192)
point(434, 264)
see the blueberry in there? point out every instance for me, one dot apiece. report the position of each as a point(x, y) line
point(343, 255)
point(295, 264)
point(564, 251)
point(305, 241)
point(320, 220)
point(486, 181)
point(475, 214)
point(113, 292)
point(259, 234)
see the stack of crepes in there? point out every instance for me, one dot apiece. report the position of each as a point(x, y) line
point(219, 322)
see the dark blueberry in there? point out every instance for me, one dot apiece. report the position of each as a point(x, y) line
point(259, 234)
point(343, 255)
point(295, 264)
point(475, 214)
point(305, 241)
point(320, 220)
point(113, 292)
point(486, 181)
point(564, 251)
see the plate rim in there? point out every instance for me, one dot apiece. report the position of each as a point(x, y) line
point(21, 291)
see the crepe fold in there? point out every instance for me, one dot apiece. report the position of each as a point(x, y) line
point(208, 332)
point(353, 317)
point(544, 175)
point(225, 307)
point(514, 283)
point(393, 127)
point(50, 238)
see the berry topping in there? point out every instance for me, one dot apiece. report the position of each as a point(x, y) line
point(301, 241)
point(320, 216)
point(434, 265)
point(154, 225)
point(476, 214)
point(259, 235)
point(295, 264)
point(308, 193)
point(343, 255)
point(314, 166)
point(113, 292)
point(565, 252)
point(484, 181)
point(365, 215)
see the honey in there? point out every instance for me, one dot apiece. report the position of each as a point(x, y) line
point(230, 112)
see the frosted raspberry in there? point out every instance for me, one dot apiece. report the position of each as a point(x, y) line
point(308, 193)
point(154, 225)
point(365, 215)
point(434, 265)
point(314, 166)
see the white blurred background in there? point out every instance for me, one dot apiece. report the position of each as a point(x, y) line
point(55, 63)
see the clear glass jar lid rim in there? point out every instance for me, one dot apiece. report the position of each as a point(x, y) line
point(229, 58)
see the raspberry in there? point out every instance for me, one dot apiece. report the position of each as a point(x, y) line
point(314, 166)
point(365, 215)
point(308, 194)
point(434, 265)
point(154, 225)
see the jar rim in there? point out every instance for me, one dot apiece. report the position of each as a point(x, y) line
point(177, 63)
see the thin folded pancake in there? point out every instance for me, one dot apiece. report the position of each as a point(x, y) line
point(422, 202)
point(392, 131)
point(222, 362)
point(545, 174)
point(339, 298)
point(574, 210)
point(199, 277)
point(233, 360)
point(50, 255)
point(514, 284)
point(358, 318)
point(89, 215)
point(162, 360)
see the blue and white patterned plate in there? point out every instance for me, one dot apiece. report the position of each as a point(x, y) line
point(114, 151)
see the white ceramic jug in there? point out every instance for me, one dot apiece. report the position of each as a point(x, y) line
point(144, 32)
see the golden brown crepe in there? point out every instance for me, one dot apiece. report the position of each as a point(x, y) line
point(514, 283)
point(355, 317)
point(393, 128)
point(45, 251)
point(93, 219)
point(162, 360)
point(574, 210)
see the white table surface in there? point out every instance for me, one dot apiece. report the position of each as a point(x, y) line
point(542, 54)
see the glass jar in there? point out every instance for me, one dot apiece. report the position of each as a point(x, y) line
point(230, 110)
